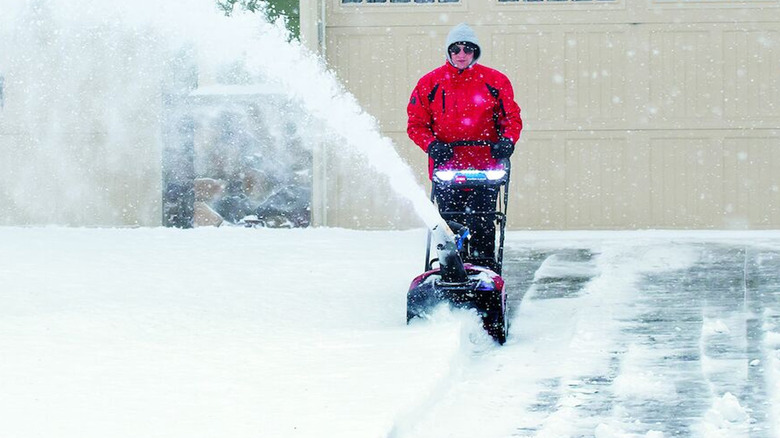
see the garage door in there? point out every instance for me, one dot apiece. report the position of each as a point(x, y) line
point(651, 114)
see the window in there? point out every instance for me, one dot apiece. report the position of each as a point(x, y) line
point(400, 1)
point(554, 1)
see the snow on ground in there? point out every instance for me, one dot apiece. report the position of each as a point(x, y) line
point(255, 332)
point(209, 332)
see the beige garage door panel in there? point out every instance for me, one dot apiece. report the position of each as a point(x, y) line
point(595, 77)
point(710, 77)
point(726, 180)
point(535, 64)
point(684, 77)
point(751, 185)
point(686, 181)
point(538, 184)
point(752, 82)
point(600, 188)
point(580, 180)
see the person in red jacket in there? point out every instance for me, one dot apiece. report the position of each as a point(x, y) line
point(465, 101)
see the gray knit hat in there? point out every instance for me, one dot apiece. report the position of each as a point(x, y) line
point(462, 33)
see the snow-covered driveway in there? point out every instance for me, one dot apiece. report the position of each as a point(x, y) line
point(301, 333)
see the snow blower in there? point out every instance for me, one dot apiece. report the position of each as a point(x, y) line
point(477, 283)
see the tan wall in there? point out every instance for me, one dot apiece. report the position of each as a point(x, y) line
point(639, 114)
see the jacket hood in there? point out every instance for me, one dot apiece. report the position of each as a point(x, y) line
point(462, 33)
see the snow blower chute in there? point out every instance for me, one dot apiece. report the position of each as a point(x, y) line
point(459, 279)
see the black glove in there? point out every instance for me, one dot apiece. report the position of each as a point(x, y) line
point(502, 149)
point(439, 152)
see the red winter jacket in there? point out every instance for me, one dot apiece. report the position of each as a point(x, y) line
point(450, 105)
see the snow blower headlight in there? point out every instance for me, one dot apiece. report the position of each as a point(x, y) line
point(445, 175)
point(494, 175)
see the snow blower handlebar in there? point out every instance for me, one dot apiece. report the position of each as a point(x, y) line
point(471, 143)
point(446, 241)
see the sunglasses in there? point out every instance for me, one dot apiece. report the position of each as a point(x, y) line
point(466, 49)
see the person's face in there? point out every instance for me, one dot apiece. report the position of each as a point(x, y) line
point(461, 55)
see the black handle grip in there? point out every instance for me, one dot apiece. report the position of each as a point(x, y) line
point(471, 143)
